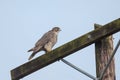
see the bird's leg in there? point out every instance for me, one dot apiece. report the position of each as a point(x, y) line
point(47, 48)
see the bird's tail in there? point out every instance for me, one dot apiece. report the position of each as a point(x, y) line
point(30, 50)
point(31, 56)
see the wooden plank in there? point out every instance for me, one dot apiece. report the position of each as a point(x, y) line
point(65, 50)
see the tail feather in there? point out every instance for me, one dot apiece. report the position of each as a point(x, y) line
point(31, 56)
point(30, 50)
point(35, 50)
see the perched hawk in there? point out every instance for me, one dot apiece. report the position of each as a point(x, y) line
point(46, 43)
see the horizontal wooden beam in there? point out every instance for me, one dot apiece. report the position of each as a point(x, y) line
point(65, 50)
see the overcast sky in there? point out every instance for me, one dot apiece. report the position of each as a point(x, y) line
point(23, 22)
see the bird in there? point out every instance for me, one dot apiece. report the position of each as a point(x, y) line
point(46, 42)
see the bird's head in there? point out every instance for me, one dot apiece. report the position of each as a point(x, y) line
point(56, 29)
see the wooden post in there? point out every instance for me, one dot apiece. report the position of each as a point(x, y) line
point(104, 49)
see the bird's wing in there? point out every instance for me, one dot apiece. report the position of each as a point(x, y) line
point(44, 39)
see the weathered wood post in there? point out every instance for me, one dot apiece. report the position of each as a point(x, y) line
point(104, 49)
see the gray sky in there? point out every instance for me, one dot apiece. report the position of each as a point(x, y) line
point(23, 22)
